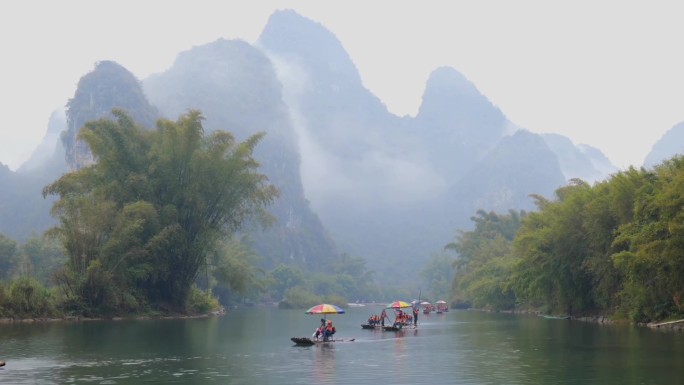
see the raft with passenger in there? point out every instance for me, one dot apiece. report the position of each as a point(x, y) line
point(326, 331)
point(307, 341)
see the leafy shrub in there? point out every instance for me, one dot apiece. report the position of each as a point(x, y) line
point(200, 302)
point(335, 299)
point(26, 297)
point(299, 298)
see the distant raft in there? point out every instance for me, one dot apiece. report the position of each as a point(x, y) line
point(306, 341)
point(556, 316)
point(2, 363)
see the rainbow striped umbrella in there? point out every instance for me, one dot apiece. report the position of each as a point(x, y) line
point(325, 308)
point(398, 305)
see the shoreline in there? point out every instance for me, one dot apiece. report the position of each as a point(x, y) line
point(675, 325)
point(9, 321)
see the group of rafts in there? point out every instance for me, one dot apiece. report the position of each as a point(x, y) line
point(404, 318)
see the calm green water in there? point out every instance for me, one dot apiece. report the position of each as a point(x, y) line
point(252, 346)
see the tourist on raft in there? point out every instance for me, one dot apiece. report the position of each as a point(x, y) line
point(318, 333)
point(329, 331)
point(374, 320)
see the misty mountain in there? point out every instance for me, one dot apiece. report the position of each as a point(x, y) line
point(353, 177)
point(457, 124)
point(236, 88)
point(396, 189)
point(23, 210)
point(671, 144)
point(583, 162)
point(518, 166)
point(599, 160)
point(49, 155)
point(107, 87)
point(347, 138)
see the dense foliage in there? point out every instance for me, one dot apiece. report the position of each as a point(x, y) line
point(139, 224)
point(615, 248)
point(437, 275)
point(151, 222)
point(348, 280)
point(483, 266)
point(230, 276)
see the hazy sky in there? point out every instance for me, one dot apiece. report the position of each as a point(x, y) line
point(606, 73)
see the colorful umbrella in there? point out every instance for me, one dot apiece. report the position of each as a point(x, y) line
point(398, 305)
point(440, 301)
point(325, 308)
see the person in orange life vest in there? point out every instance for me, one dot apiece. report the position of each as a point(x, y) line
point(329, 331)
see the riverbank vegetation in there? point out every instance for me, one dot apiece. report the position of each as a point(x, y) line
point(152, 227)
point(615, 248)
point(137, 226)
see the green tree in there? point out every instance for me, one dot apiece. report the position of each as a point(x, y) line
point(284, 277)
point(484, 263)
point(26, 297)
point(553, 248)
point(652, 258)
point(232, 272)
point(614, 248)
point(8, 256)
point(438, 276)
point(139, 224)
point(356, 282)
point(43, 257)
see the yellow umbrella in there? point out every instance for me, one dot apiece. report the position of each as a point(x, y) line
point(398, 305)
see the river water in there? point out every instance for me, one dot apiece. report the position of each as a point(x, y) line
point(252, 346)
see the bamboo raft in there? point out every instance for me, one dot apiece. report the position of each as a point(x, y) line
point(369, 326)
point(306, 341)
point(397, 328)
point(388, 328)
point(666, 323)
point(391, 328)
point(547, 316)
point(2, 363)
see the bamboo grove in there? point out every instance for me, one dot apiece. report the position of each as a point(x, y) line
point(159, 223)
point(139, 223)
point(615, 248)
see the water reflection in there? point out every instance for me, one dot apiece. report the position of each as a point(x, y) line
point(324, 364)
point(401, 359)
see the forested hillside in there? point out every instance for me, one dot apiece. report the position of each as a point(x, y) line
point(613, 248)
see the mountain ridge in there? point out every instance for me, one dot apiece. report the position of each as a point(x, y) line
point(356, 178)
